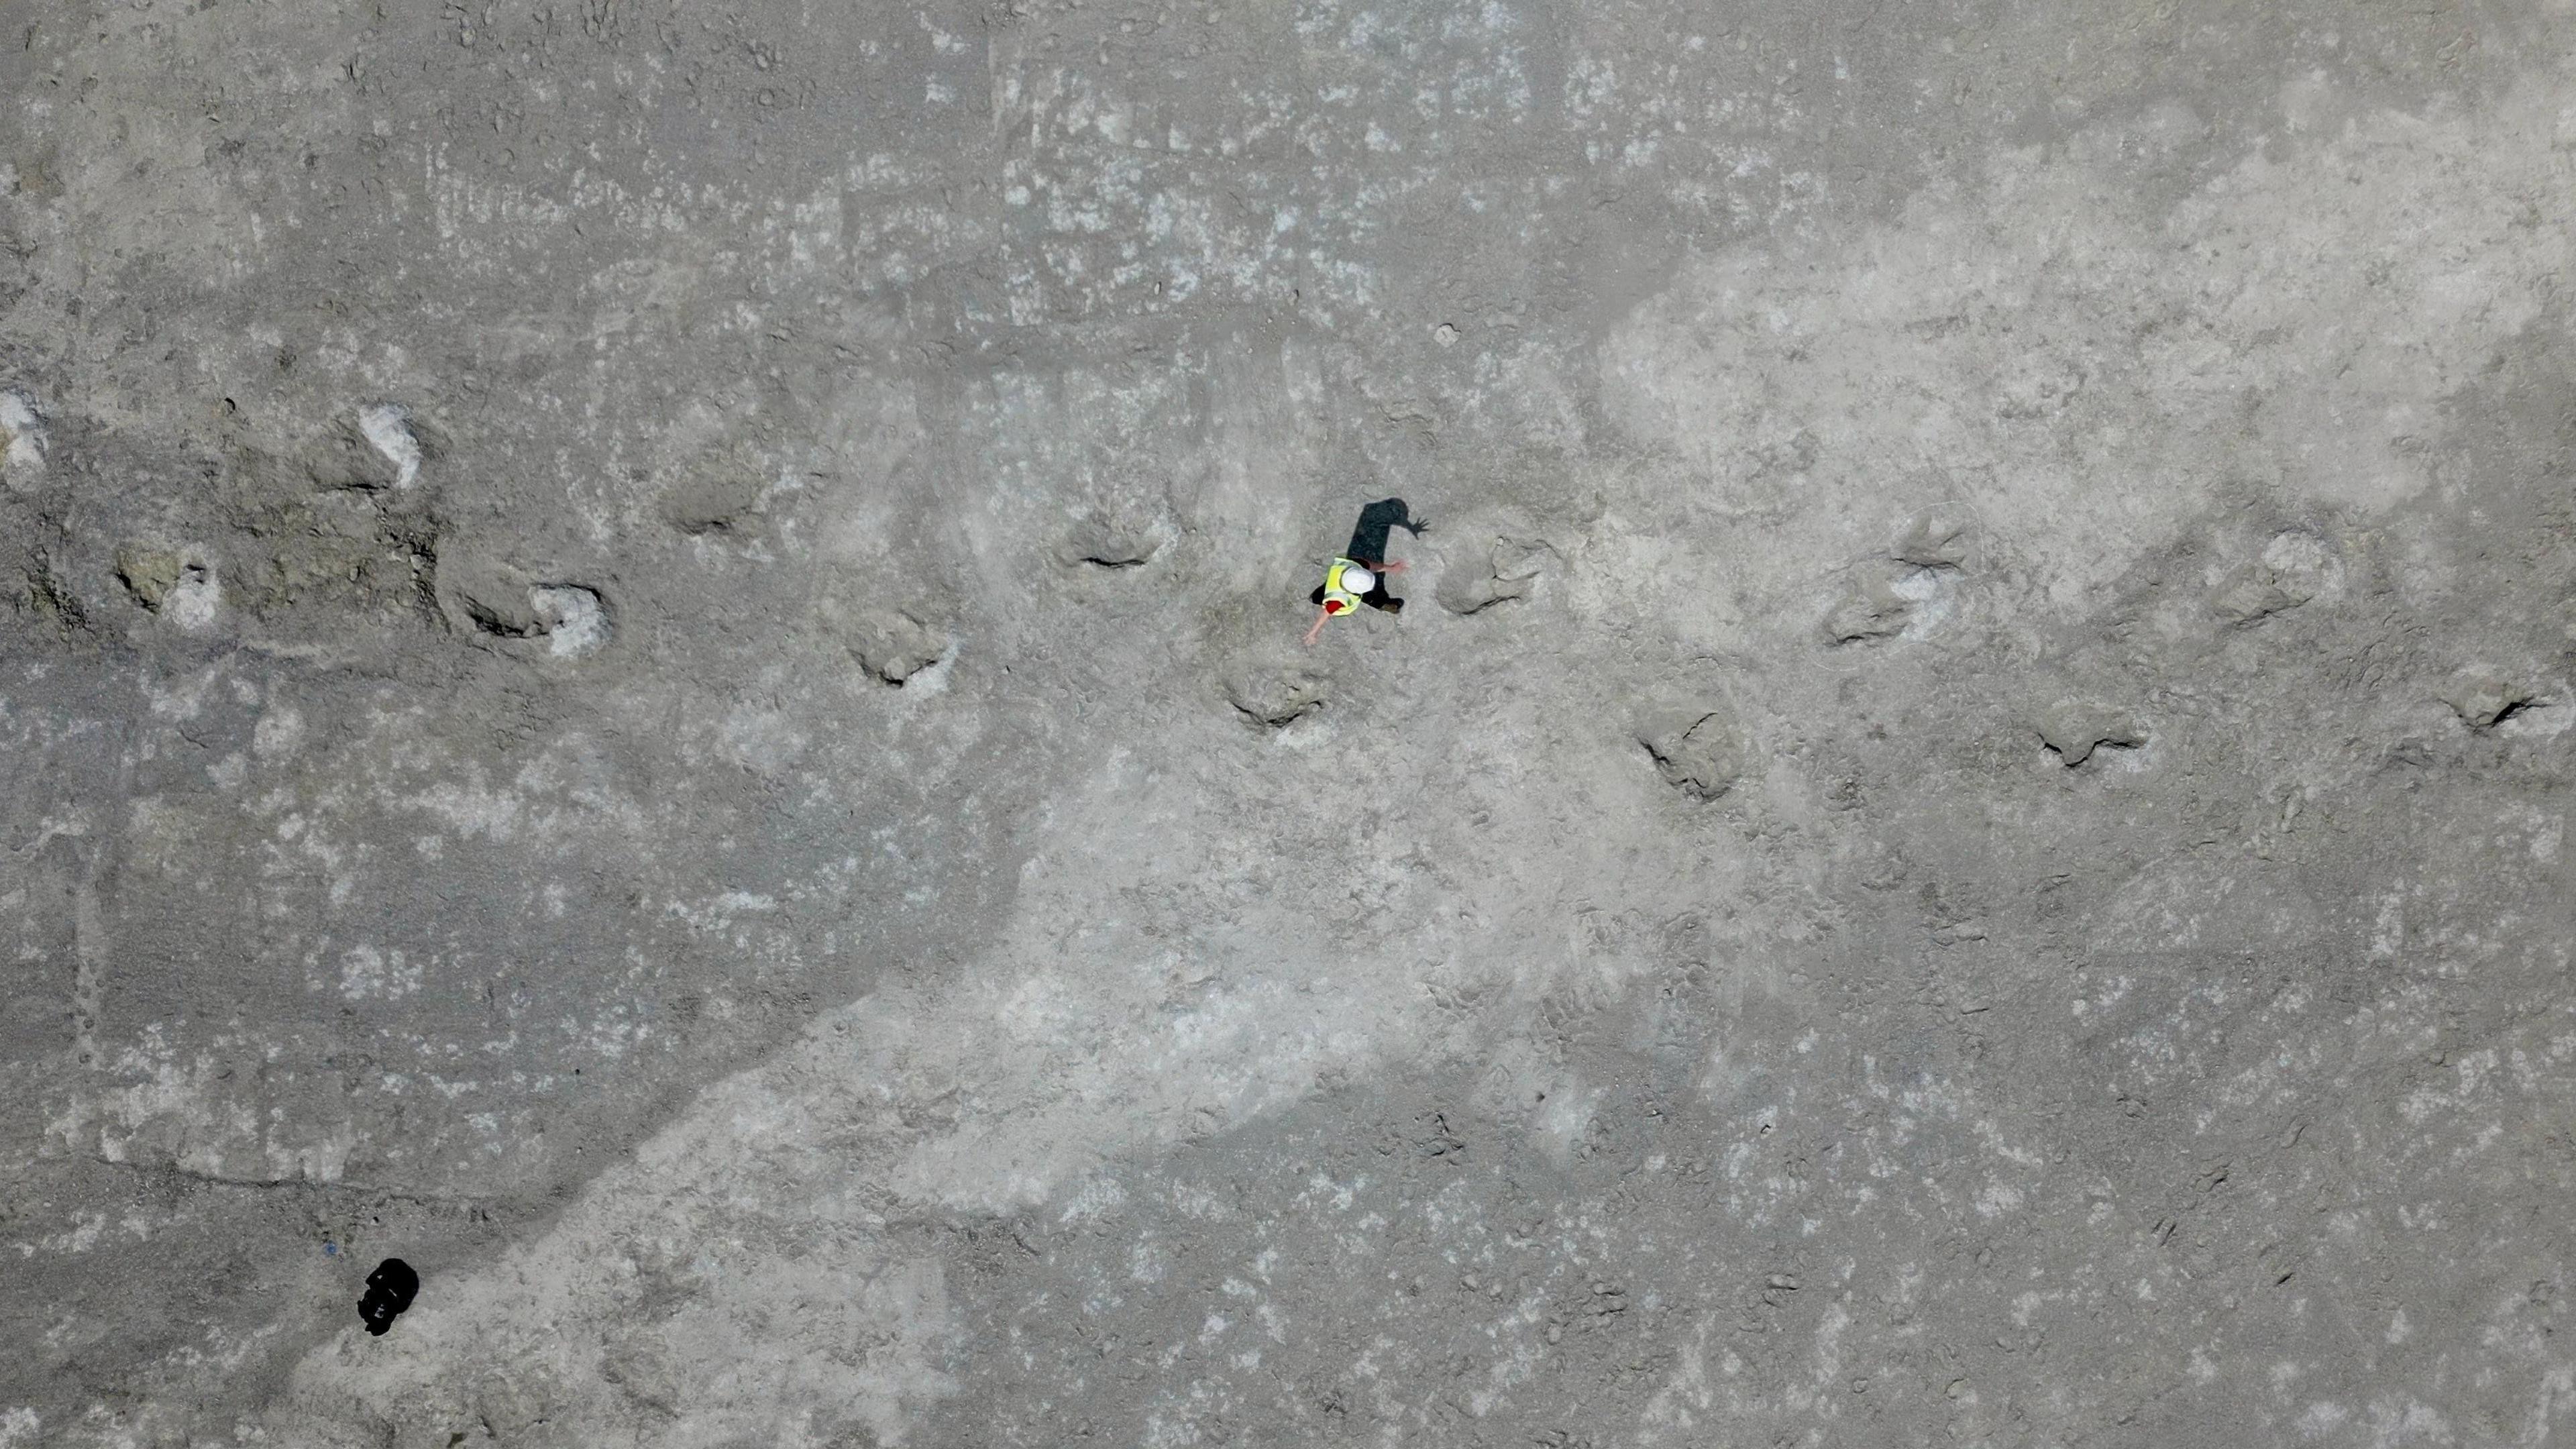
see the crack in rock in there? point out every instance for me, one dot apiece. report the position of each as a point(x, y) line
point(1697, 751)
point(2075, 731)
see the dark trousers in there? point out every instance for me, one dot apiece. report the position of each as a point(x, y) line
point(1376, 598)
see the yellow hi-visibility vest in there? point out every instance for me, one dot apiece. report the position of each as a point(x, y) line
point(1339, 600)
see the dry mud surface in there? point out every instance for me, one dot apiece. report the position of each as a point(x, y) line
point(648, 658)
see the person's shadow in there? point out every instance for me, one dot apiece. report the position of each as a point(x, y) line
point(1378, 522)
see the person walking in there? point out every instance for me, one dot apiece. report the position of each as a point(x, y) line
point(1349, 583)
point(1358, 575)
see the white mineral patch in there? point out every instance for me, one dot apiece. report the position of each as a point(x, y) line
point(576, 623)
point(388, 429)
point(278, 733)
point(22, 435)
point(1934, 595)
point(195, 599)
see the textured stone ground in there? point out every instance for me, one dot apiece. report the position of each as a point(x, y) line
point(651, 661)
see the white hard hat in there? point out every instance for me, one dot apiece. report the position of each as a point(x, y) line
point(1357, 580)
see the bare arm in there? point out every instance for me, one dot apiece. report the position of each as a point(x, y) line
point(1320, 616)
